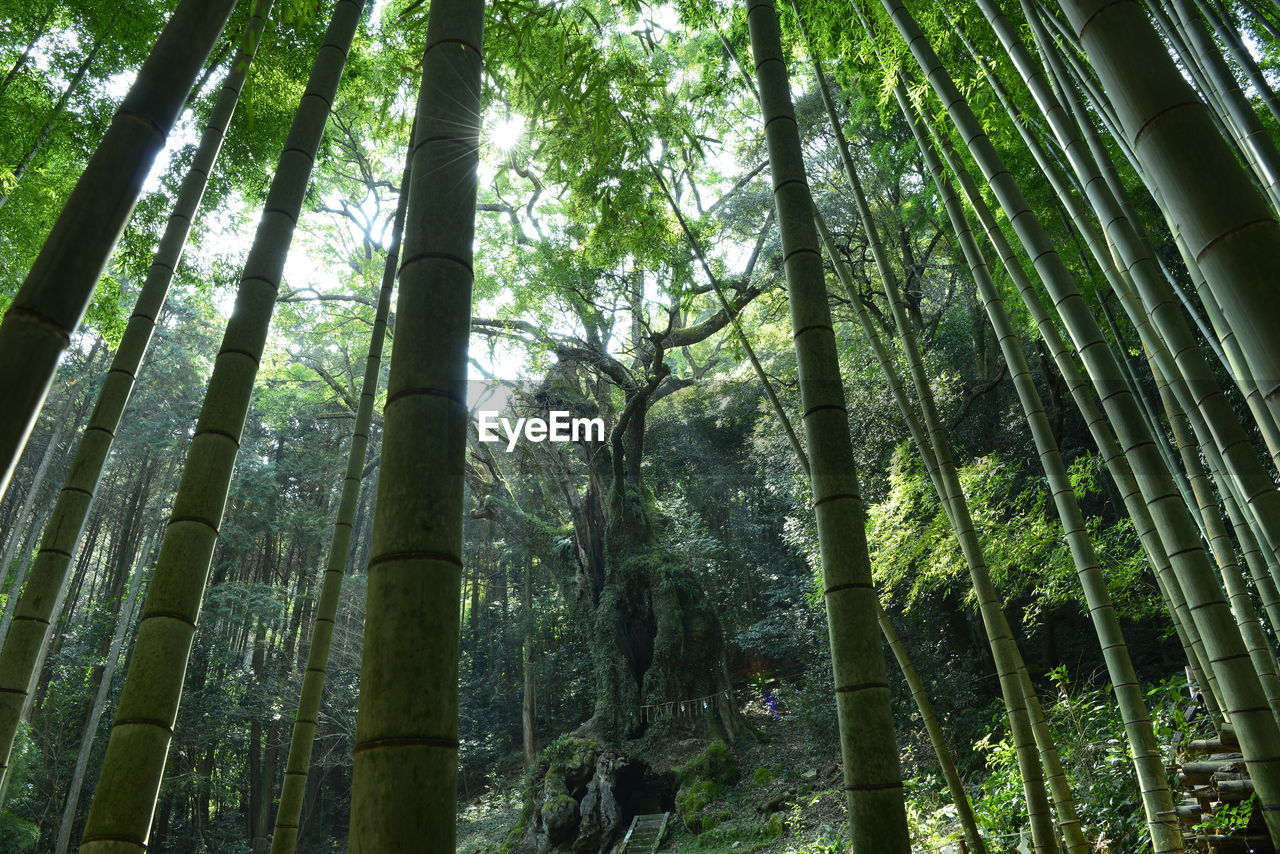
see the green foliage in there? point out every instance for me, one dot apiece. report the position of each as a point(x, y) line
point(579, 251)
point(1227, 819)
point(915, 554)
point(17, 835)
point(1088, 729)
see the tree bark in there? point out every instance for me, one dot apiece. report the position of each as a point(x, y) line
point(529, 696)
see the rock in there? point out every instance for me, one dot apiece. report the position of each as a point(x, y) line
point(600, 816)
point(583, 795)
point(582, 809)
point(559, 820)
point(715, 763)
point(693, 803)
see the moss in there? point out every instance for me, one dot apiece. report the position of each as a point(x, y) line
point(566, 760)
point(761, 776)
point(560, 811)
point(692, 802)
point(570, 754)
point(773, 828)
point(715, 763)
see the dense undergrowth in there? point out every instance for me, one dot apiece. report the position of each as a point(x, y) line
point(788, 799)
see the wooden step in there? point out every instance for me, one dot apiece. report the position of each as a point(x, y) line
point(645, 834)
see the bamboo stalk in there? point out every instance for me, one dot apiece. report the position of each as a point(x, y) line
point(404, 778)
point(124, 801)
point(47, 308)
point(39, 604)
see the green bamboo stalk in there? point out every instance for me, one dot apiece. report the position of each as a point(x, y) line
point(1153, 784)
point(25, 642)
point(1245, 702)
point(1108, 446)
point(1004, 650)
point(929, 716)
point(1255, 639)
point(932, 442)
point(289, 813)
point(404, 784)
point(933, 727)
point(1228, 347)
point(1148, 412)
point(1262, 567)
point(1230, 38)
point(1239, 114)
point(1170, 25)
point(1171, 345)
point(1063, 800)
point(48, 307)
point(873, 782)
point(1227, 225)
point(121, 812)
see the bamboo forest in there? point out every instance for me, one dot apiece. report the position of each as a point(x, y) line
point(623, 426)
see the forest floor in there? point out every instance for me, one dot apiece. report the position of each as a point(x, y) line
point(809, 819)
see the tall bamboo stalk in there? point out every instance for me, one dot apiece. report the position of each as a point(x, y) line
point(124, 800)
point(999, 636)
point(964, 809)
point(1104, 437)
point(1153, 784)
point(24, 644)
point(1237, 111)
point(1264, 661)
point(285, 838)
point(48, 307)
point(934, 447)
point(1239, 52)
point(872, 777)
point(1245, 702)
point(404, 783)
point(1231, 231)
point(1153, 308)
point(928, 715)
point(1226, 342)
